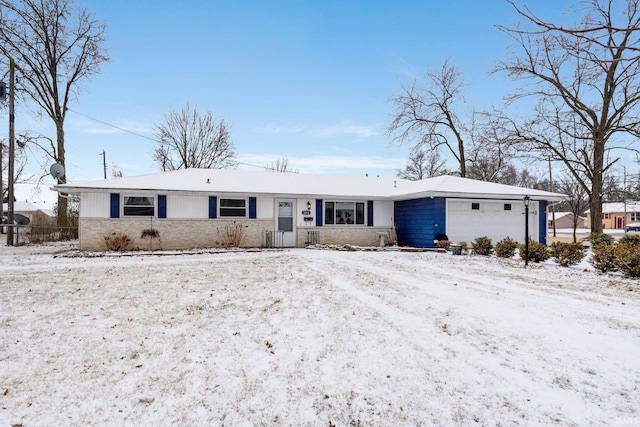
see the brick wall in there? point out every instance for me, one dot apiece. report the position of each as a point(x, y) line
point(174, 233)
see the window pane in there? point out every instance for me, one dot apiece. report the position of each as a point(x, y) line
point(233, 212)
point(285, 209)
point(359, 213)
point(232, 203)
point(329, 213)
point(285, 224)
point(345, 212)
point(507, 206)
point(475, 206)
point(138, 211)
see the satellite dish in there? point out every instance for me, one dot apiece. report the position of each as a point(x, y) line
point(56, 170)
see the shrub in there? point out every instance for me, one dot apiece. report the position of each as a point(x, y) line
point(117, 242)
point(482, 246)
point(602, 257)
point(464, 246)
point(442, 236)
point(232, 235)
point(598, 239)
point(567, 254)
point(630, 239)
point(443, 244)
point(506, 248)
point(538, 252)
point(627, 259)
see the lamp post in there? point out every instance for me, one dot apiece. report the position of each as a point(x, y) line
point(526, 201)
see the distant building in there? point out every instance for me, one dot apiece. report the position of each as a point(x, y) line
point(565, 220)
point(23, 212)
point(617, 215)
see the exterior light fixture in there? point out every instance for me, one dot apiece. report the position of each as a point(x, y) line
point(526, 201)
point(308, 206)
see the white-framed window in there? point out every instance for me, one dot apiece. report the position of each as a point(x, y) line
point(138, 206)
point(606, 215)
point(236, 208)
point(635, 216)
point(347, 213)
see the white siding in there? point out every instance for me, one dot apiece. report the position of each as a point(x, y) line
point(264, 207)
point(383, 213)
point(95, 205)
point(187, 206)
point(465, 224)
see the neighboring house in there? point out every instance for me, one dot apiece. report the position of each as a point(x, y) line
point(195, 208)
point(23, 212)
point(617, 215)
point(565, 220)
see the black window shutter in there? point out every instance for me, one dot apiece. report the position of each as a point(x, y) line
point(318, 212)
point(115, 205)
point(252, 207)
point(162, 206)
point(213, 207)
point(370, 213)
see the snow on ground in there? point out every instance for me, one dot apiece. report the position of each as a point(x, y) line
point(313, 338)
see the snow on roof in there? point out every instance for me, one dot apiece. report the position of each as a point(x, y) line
point(619, 207)
point(21, 207)
point(275, 183)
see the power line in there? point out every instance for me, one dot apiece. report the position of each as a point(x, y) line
point(149, 138)
point(114, 126)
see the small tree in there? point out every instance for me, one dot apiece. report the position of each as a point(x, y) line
point(188, 139)
point(422, 164)
point(280, 165)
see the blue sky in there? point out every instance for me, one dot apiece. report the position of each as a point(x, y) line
point(309, 80)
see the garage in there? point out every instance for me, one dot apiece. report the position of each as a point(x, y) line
point(467, 219)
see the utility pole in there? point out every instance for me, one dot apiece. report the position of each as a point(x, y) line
point(12, 149)
point(553, 208)
point(104, 162)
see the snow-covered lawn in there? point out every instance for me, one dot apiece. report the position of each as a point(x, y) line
point(313, 338)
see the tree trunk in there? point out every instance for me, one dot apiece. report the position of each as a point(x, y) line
point(62, 198)
point(595, 198)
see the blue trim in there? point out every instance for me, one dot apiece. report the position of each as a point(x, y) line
point(252, 207)
point(115, 205)
point(369, 213)
point(162, 206)
point(318, 212)
point(542, 221)
point(213, 207)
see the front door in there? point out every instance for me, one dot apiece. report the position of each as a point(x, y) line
point(619, 222)
point(285, 226)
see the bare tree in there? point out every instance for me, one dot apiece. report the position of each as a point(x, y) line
point(427, 115)
point(422, 164)
point(20, 162)
point(56, 45)
point(280, 165)
point(188, 139)
point(576, 202)
point(586, 80)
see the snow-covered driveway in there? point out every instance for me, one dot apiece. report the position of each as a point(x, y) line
point(309, 337)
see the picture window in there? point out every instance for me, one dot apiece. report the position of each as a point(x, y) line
point(347, 213)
